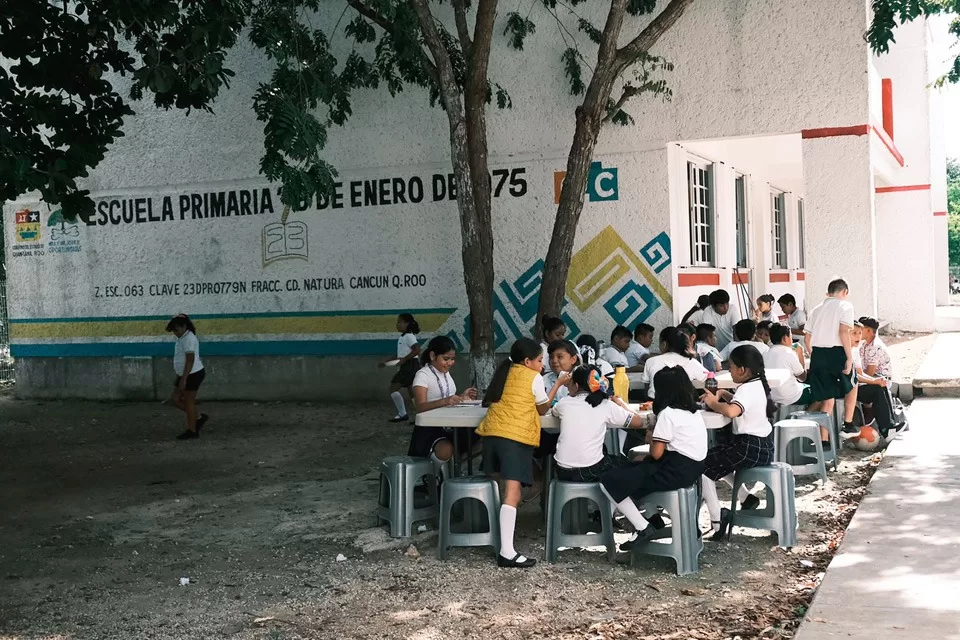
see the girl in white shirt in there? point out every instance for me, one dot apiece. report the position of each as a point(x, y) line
point(553, 329)
point(677, 451)
point(433, 387)
point(190, 374)
point(408, 351)
point(584, 414)
point(590, 355)
point(564, 358)
point(674, 347)
point(752, 444)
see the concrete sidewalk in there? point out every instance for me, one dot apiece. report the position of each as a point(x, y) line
point(897, 573)
point(939, 375)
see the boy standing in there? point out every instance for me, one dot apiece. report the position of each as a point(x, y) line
point(827, 339)
point(722, 316)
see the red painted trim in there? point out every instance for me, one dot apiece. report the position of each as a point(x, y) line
point(833, 132)
point(939, 213)
point(698, 279)
point(779, 277)
point(801, 276)
point(887, 97)
point(740, 278)
point(907, 187)
point(888, 143)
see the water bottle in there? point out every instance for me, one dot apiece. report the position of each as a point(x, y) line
point(621, 384)
point(711, 384)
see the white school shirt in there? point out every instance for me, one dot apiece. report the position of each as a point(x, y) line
point(405, 345)
point(825, 321)
point(696, 317)
point(187, 343)
point(752, 400)
point(694, 369)
point(683, 432)
point(550, 379)
point(635, 354)
point(539, 392)
point(725, 354)
point(583, 429)
point(704, 349)
point(546, 355)
point(783, 357)
point(438, 385)
point(723, 323)
point(797, 319)
point(615, 357)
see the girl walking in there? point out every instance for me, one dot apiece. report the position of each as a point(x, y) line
point(751, 445)
point(516, 399)
point(677, 451)
point(190, 374)
point(408, 350)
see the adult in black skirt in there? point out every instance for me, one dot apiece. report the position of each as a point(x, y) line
point(677, 450)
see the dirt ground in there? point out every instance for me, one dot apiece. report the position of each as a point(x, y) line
point(102, 513)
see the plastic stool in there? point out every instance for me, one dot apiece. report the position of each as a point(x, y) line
point(395, 504)
point(560, 494)
point(484, 490)
point(826, 422)
point(784, 411)
point(787, 431)
point(780, 513)
point(685, 546)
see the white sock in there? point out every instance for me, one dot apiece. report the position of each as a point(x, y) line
point(711, 498)
point(629, 509)
point(508, 522)
point(399, 404)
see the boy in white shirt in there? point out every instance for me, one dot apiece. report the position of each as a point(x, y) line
point(796, 318)
point(745, 332)
point(640, 347)
point(706, 347)
point(722, 316)
point(783, 354)
point(827, 339)
point(622, 353)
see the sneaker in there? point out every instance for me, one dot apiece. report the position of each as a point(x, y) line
point(188, 435)
point(849, 431)
point(515, 562)
point(397, 419)
point(639, 537)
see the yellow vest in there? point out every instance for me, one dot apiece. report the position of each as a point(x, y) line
point(515, 415)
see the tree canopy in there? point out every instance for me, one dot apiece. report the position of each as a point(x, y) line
point(889, 14)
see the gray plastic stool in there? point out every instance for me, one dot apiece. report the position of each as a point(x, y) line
point(780, 513)
point(785, 432)
point(784, 411)
point(560, 494)
point(825, 422)
point(398, 476)
point(479, 488)
point(685, 546)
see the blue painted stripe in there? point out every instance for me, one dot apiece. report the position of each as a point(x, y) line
point(214, 316)
point(210, 348)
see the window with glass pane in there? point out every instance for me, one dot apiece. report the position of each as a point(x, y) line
point(801, 229)
point(740, 187)
point(700, 187)
point(778, 213)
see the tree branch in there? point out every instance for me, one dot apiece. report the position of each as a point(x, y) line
point(611, 33)
point(482, 37)
point(446, 78)
point(652, 33)
point(463, 30)
point(378, 19)
point(628, 92)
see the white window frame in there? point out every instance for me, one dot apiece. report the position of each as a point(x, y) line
point(778, 230)
point(741, 221)
point(801, 232)
point(701, 213)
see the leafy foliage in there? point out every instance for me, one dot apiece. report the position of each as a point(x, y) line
point(517, 29)
point(953, 211)
point(573, 71)
point(888, 14)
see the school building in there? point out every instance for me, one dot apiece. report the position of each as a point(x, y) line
point(788, 155)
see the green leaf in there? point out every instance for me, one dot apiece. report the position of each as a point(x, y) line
point(573, 71)
point(592, 32)
point(517, 30)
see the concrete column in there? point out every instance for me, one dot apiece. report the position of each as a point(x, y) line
point(841, 235)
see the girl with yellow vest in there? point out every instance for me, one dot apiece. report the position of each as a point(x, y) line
point(515, 399)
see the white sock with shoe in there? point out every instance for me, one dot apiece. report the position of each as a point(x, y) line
point(398, 402)
point(508, 522)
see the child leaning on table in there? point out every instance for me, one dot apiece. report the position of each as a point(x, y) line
point(677, 451)
point(516, 399)
point(584, 415)
point(564, 358)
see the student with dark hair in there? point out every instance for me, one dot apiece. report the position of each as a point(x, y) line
point(745, 331)
point(874, 375)
point(722, 316)
point(751, 446)
point(564, 358)
point(511, 430)
point(828, 341)
point(764, 310)
point(763, 332)
point(408, 350)
point(619, 353)
point(590, 355)
point(677, 450)
point(695, 314)
point(552, 330)
point(674, 348)
point(690, 331)
point(706, 346)
point(585, 414)
point(783, 354)
point(433, 387)
point(796, 318)
point(190, 374)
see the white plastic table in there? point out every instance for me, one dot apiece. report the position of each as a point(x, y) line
point(469, 416)
point(775, 377)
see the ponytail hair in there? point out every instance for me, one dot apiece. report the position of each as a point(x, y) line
point(412, 325)
point(677, 341)
point(589, 349)
point(749, 357)
point(181, 320)
point(589, 380)
point(523, 349)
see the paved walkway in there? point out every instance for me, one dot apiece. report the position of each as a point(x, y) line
point(897, 574)
point(940, 372)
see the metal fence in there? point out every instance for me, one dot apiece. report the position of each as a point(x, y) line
point(6, 361)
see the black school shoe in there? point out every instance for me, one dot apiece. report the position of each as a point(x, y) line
point(639, 537)
point(202, 420)
point(188, 435)
point(526, 563)
point(399, 419)
point(751, 502)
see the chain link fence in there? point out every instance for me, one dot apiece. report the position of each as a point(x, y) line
point(6, 361)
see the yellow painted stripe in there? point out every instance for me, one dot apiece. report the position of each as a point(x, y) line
point(224, 326)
